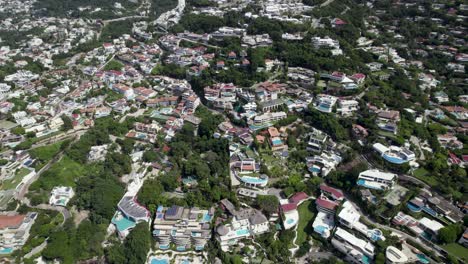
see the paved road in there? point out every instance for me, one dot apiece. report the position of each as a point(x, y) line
point(326, 3)
point(409, 178)
point(36, 250)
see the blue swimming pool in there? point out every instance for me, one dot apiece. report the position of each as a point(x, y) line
point(422, 258)
point(290, 221)
point(159, 261)
point(320, 229)
point(413, 207)
point(198, 248)
point(365, 259)
point(181, 248)
point(6, 250)
point(254, 180)
point(123, 223)
point(206, 218)
point(429, 211)
point(324, 108)
point(277, 141)
point(242, 232)
point(315, 169)
point(362, 183)
point(163, 247)
point(394, 160)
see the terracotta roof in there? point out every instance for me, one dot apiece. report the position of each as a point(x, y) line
point(14, 221)
point(288, 207)
point(326, 204)
point(298, 197)
point(335, 192)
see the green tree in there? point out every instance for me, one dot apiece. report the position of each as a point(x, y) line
point(137, 244)
point(449, 233)
point(267, 203)
point(67, 123)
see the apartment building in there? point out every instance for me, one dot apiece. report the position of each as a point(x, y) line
point(186, 228)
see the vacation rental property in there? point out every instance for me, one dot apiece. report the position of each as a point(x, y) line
point(325, 103)
point(395, 256)
point(130, 213)
point(61, 195)
point(377, 180)
point(349, 217)
point(288, 209)
point(329, 200)
point(321, 165)
point(244, 223)
point(14, 230)
point(246, 171)
point(186, 228)
point(356, 250)
point(394, 154)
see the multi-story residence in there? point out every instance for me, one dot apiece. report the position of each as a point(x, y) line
point(269, 118)
point(394, 154)
point(61, 195)
point(377, 180)
point(129, 215)
point(321, 165)
point(326, 42)
point(325, 103)
point(347, 107)
point(14, 230)
point(317, 140)
point(388, 120)
point(356, 250)
point(244, 223)
point(186, 228)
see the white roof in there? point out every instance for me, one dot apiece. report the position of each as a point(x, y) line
point(394, 255)
point(351, 239)
point(431, 224)
point(378, 174)
point(349, 213)
point(380, 148)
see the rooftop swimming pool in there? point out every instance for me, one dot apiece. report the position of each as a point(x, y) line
point(122, 223)
point(6, 250)
point(242, 232)
point(159, 261)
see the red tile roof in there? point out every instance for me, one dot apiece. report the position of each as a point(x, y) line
point(326, 204)
point(298, 197)
point(13, 221)
point(335, 192)
point(288, 207)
